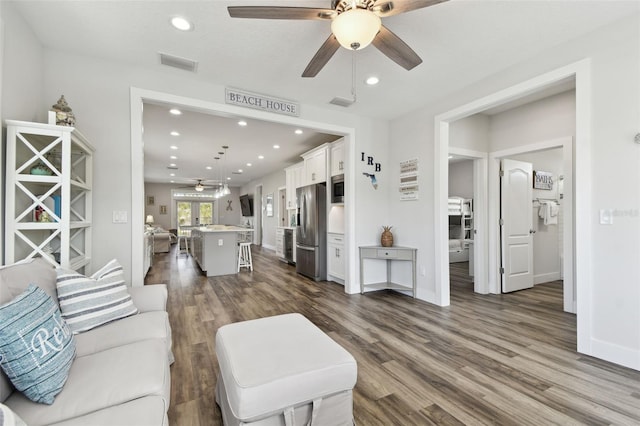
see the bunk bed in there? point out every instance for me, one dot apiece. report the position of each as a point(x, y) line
point(460, 228)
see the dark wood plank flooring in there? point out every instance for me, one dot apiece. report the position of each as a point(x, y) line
point(486, 359)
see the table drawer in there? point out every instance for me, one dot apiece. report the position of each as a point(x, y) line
point(391, 253)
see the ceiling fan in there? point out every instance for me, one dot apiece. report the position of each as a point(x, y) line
point(200, 186)
point(354, 25)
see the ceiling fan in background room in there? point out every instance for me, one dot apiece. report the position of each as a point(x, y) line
point(200, 186)
point(354, 25)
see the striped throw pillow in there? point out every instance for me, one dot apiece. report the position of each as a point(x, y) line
point(88, 302)
point(36, 345)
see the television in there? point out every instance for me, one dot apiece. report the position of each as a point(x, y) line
point(246, 205)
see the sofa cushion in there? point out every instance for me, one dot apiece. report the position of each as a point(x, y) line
point(147, 411)
point(88, 302)
point(102, 380)
point(36, 345)
point(9, 418)
point(151, 297)
point(148, 325)
point(14, 279)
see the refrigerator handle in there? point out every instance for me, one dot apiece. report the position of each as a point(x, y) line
point(298, 217)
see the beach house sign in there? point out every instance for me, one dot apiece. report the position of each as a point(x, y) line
point(265, 103)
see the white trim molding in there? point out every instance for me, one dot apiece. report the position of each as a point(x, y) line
point(581, 72)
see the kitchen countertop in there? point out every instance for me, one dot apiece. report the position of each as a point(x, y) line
point(222, 228)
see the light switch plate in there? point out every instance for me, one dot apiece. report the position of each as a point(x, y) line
point(220, 241)
point(606, 217)
point(119, 216)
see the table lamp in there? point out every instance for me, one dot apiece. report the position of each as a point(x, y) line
point(149, 220)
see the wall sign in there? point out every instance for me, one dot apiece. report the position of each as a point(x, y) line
point(409, 180)
point(262, 102)
point(542, 180)
point(377, 167)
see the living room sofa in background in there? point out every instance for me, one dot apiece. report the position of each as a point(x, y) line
point(120, 375)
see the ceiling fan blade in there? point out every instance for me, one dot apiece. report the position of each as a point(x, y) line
point(322, 56)
point(396, 49)
point(275, 12)
point(396, 7)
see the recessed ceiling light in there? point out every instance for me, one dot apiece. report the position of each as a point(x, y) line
point(298, 132)
point(174, 133)
point(276, 147)
point(175, 111)
point(249, 164)
point(173, 157)
point(242, 123)
point(173, 147)
point(181, 23)
point(372, 81)
point(209, 167)
point(260, 157)
point(172, 174)
point(172, 181)
point(172, 165)
point(240, 170)
point(228, 178)
point(450, 157)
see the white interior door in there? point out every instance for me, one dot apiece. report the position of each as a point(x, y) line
point(515, 212)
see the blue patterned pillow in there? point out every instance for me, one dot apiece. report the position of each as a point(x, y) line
point(88, 302)
point(36, 345)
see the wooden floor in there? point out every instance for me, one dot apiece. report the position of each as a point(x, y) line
point(492, 359)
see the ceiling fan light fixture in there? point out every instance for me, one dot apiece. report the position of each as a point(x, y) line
point(356, 28)
point(199, 187)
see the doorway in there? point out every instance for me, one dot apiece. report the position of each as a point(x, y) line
point(257, 216)
point(580, 73)
point(552, 248)
point(194, 213)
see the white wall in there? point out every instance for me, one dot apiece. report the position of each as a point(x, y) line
point(23, 71)
point(461, 179)
point(612, 282)
point(550, 118)
point(270, 185)
point(470, 133)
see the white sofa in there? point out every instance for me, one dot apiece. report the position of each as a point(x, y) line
point(120, 375)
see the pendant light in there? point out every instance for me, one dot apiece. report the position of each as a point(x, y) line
point(225, 186)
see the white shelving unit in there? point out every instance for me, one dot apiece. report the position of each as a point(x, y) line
point(58, 189)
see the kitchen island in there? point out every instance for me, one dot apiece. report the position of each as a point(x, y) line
point(215, 248)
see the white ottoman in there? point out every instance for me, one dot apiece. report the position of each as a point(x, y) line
point(283, 370)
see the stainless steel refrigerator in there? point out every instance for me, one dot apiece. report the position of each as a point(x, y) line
point(311, 231)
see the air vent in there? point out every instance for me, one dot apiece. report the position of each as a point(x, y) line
point(177, 62)
point(343, 102)
point(172, 168)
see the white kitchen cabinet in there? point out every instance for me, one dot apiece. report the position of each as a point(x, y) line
point(315, 165)
point(335, 258)
point(48, 195)
point(337, 158)
point(293, 179)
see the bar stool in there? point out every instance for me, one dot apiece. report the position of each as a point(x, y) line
point(244, 251)
point(183, 235)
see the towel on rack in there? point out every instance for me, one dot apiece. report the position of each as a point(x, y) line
point(548, 212)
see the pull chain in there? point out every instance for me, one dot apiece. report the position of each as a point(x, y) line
point(353, 75)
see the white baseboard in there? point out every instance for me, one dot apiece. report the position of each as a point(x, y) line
point(617, 354)
point(545, 278)
point(269, 247)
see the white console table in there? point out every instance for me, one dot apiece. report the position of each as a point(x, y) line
point(389, 254)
